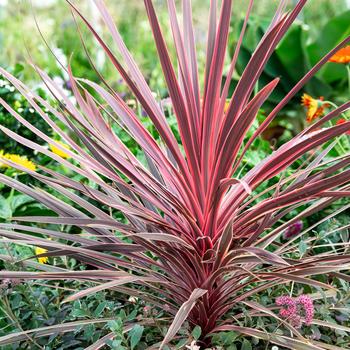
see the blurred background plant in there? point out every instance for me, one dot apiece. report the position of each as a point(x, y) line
point(322, 24)
point(19, 104)
point(317, 30)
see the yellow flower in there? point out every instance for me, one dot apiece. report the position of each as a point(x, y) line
point(341, 56)
point(227, 105)
point(2, 165)
point(315, 108)
point(42, 259)
point(58, 151)
point(20, 160)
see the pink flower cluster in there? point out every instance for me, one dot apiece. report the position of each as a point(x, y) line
point(294, 309)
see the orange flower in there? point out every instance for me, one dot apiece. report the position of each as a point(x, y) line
point(315, 108)
point(342, 56)
point(227, 105)
point(342, 121)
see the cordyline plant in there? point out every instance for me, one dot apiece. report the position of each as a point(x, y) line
point(196, 238)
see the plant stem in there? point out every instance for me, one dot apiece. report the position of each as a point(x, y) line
point(335, 106)
point(8, 311)
point(41, 306)
point(338, 138)
point(28, 285)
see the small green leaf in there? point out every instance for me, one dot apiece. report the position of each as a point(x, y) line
point(131, 316)
point(196, 333)
point(232, 347)
point(246, 345)
point(115, 344)
point(181, 343)
point(100, 308)
point(135, 335)
point(16, 300)
point(228, 337)
point(79, 313)
point(19, 200)
point(122, 314)
point(5, 209)
point(302, 247)
point(89, 331)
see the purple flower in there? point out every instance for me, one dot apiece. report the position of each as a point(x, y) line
point(166, 103)
point(68, 85)
point(293, 230)
point(341, 318)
